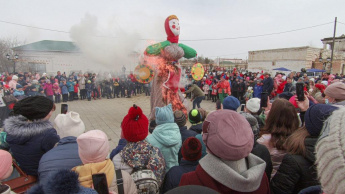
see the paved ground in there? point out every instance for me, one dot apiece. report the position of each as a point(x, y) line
point(107, 114)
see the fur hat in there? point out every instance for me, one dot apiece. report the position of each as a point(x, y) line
point(253, 105)
point(336, 91)
point(315, 116)
point(231, 103)
point(191, 149)
point(180, 118)
point(228, 135)
point(330, 153)
point(93, 146)
point(5, 164)
point(69, 124)
point(194, 116)
point(253, 122)
point(34, 107)
point(135, 125)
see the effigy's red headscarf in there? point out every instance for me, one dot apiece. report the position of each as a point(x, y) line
point(171, 37)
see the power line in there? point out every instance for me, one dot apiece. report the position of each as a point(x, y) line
point(341, 23)
point(260, 35)
point(209, 39)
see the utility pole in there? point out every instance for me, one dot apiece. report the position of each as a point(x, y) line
point(335, 28)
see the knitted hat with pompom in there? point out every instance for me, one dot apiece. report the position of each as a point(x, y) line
point(135, 125)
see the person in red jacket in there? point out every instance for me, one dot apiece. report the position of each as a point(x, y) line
point(223, 89)
point(229, 167)
point(281, 86)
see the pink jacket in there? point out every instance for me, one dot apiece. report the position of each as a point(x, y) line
point(13, 84)
point(56, 89)
point(48, 89)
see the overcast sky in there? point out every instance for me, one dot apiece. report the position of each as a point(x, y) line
point(199, 19)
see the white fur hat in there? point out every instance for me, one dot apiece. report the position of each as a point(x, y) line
point(253, 105)
point(69, 124)
point(330, 151)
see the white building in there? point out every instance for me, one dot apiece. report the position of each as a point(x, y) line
point(51, 56)
point(291, 58)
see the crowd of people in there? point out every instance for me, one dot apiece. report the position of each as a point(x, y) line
point(288, 146)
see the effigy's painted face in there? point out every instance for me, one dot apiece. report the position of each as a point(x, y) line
point(174, 25)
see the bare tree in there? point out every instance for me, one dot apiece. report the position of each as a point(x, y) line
point(6, 45)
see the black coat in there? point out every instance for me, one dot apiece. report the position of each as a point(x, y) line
point(296, 172)
point(29, 141)
point(267, 85)
point(262, 152)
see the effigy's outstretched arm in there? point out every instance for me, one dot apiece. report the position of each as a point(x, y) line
point(156, 49)
point(188, 51)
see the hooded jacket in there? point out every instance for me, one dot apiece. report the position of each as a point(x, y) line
point(63, 156)
point(166, 136)
point(62, 181)
point(224, 176)
point(296, 172)
point(29, 141)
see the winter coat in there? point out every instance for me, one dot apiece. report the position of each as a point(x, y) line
point(235, 86)
point(195, 90)
point(257, 91)
point(70, 86)
point(268, 85)
point(173, 177)
point(120, 146)
point(13, 84)
point(63, 156)
point(88, 87)
point(141, 154)
point(242, 87)
point(64, 88)
point(196, 128)
point(56, 89)
point(217, 174)
point(18, 93)
point(29, 141)
point(167, 138)
point(262, 152)
point(296, 172)
point(276, 155)
point(185, 133)
point(5, 189)
point(62, 181)
point(48, 89)
point(82, 82)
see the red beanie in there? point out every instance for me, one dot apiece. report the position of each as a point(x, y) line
point(191, 149)
point(135, 125)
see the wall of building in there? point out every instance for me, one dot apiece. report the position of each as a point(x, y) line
point(290, 58)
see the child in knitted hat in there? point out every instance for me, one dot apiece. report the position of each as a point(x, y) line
point(93, 149)
point(229, 166)
point(6, 169)
point(191, 152)
point(166, 136)
point(194, 118)
point(139, 153)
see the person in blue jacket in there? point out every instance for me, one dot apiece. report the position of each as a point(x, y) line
point(191, 152)
point(65, 154)
point(257, 89)
point(30, 134)
point(166, 136)
point(70, 85)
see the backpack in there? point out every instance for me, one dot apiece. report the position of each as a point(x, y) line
point(145, 180)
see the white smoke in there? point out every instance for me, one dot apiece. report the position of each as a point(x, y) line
point(96, 42)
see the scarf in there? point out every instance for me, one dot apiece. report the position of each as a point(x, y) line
point(87, 170)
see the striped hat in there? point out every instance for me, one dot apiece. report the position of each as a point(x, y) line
point(330, 151)
point(180, 118)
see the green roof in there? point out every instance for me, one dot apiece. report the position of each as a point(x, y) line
point(49, 46)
